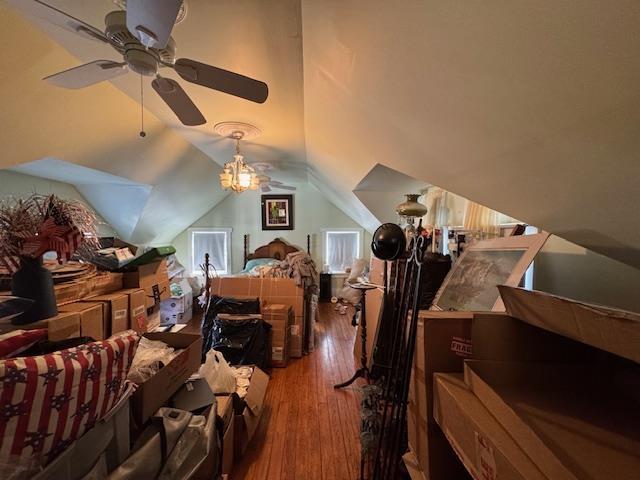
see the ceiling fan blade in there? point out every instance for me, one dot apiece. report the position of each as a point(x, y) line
point(284, 187)
point(87, 74)
point(151, 21)
point(265, 188)
point(64, 20)
point(275, 183)
point(222, 80)
point(178, 101)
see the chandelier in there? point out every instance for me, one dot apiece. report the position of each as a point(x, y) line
point(237, 175)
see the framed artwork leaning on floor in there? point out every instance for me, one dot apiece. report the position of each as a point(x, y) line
point(277, 212)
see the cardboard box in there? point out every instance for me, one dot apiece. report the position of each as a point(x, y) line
point(574, 420)
point(157, 390)
point(247, 412)
point(91, 318)
point(609, 329)
point(105, 283)
point(443, 341)
point(137, 309)
point(280, 317)
point(411, 464)
point(115, 312)
point(69, 292)
point(485, 448)
point(225, 414)
point(153, 279)
point(179, 308)
point(61, 327)
point(296, 335)
point(153, 318)
point(283, 291)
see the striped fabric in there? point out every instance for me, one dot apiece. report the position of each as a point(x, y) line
point(48, 401)
point(17, 341)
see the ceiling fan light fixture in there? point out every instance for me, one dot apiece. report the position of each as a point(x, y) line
point(236, 174)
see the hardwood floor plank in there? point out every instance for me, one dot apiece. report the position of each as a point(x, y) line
point(309, 430)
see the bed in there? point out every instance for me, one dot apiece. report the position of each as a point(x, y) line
point(277, 249)
point(278, 290)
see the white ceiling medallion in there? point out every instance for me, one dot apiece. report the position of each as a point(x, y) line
point(229, 129)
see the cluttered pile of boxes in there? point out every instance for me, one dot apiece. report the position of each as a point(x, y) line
point(144, 298)
point(547, 390)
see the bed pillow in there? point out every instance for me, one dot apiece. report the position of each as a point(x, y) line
point(48, 401)
point(257, 262)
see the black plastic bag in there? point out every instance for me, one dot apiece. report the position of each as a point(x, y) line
point(219, 305)
point(242, 341)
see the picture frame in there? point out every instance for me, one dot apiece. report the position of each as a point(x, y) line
point(277, 212)
point(472, 283)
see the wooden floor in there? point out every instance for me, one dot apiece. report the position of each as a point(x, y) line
point(309, 430)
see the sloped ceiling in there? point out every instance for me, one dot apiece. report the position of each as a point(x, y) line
point(118, 200)
point(383, 188)
point(530, 108)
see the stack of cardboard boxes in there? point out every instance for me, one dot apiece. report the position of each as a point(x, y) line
point(522, 402)
point(115, 302)
point(279, 291)
point(280, 317)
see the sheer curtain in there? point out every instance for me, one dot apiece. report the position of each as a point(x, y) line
point(478, 217)
point(341, 249)
point(215, 244)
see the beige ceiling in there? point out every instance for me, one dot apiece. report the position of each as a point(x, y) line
point(531, 108)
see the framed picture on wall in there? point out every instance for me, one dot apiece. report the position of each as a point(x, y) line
point(277, 212)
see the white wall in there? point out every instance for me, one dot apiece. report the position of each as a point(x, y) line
point(566, 269)
point(242, 212)
point(20, 185)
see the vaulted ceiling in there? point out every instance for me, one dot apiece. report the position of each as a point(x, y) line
point(531, 108)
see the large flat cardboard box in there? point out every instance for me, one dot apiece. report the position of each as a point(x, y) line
point(157, 390)
point(249, 411)
point(283, 291)
point(498, 336)
point(137, 309)
point(91, 318)
point(609, 329)
point(575, 421)
point(413, 468)
point(443, 341)
point(61, 327)
point(485, 448)
point(115, 312)
point(280, 317)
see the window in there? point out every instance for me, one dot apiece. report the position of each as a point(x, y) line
point(214, 241)
point(341, 248)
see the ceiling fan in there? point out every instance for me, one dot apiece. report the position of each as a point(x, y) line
point(142, 34)
point(266, 183)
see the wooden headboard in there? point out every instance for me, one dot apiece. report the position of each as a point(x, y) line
point(277, 249)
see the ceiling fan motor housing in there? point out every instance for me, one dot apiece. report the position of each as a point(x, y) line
point(140, 59)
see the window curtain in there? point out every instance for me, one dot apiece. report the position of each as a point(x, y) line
point(342, 249)
point(482, 219)
point(212, 243)
point(437, 212)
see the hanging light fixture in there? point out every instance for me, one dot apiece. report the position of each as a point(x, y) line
point(236, 174)
point(409, 211)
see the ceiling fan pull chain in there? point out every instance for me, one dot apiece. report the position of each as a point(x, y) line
point(142, 132)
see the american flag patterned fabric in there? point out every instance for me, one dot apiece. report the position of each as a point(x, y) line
point(48, 401)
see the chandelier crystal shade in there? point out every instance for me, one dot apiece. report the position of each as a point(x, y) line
point(237, 175)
